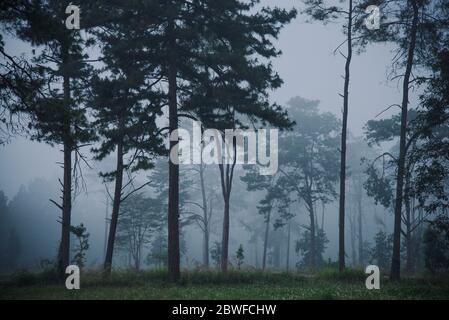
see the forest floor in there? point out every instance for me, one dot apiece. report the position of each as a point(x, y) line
point(151, 284)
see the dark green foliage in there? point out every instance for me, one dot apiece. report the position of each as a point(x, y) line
point(56, 116)
point(303, 248)
point(124, 100)
point(436, 245)
point(432, 129)
point(366, 252)
point(379, 186)
point(81, 234)
point(381, 251)
point(139, 218)
point(239, 256)
point(309, 153)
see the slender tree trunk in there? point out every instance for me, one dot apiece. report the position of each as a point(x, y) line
point(265, 242)
point(352, 234)
point(313, 250)
point(225, 235)
point(226, 186)
point(115, 209)
point(205, 220)
point(288, 246)
point(173, 169)
point(322, 217)
point(360, 227)
point(395, 273)
point(256, 252)
point(139, 253)
point(106, 227)
point(408, 231)
point(64, 249)
point(341, 218)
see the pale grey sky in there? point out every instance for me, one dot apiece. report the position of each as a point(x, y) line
point(308, 67)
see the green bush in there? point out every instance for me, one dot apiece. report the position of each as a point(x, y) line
point(23, 277)
point(349, 274)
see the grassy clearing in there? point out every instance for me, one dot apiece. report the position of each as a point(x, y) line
point(151, 284)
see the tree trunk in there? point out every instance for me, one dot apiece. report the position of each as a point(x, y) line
point(226, 186)
point(352, 234)
point(408, 231)
point(312, 238)
point(115, 209)
point(322, 216)
point(288, 246)
point(64, 249)
point(359, 222)
point(205, 220)
point(265, 242)
point(106, 227)
point(395, 273)
point(225, 235)
point(173, 169)
point(341, 217)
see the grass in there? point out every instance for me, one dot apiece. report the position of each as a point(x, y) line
point(245, 284)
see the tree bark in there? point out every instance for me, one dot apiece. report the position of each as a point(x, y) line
point(408, 231)
point(288, 246)
point(395, 273)
point(225, 235)
point(265, 242)
point(64, 248)
point(226, 186)
point(173, 169)
point(205, 220)
point(115, 209)
point(312, 237)
point(341, 217)
point(360, 228)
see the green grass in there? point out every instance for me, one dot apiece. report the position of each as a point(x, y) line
point(245, 284)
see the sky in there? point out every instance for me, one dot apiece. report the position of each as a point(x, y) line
point(308, 67)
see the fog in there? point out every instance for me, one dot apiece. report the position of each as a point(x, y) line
point(309, 68)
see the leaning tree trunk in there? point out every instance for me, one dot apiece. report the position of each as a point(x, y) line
point(173, 169)
point(341, 216)
point(395, 273)
point(64, 247)
point(115, 209)
point(265, 242)
point(408, 222)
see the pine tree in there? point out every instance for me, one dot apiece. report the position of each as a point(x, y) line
point(125, 105)
point(232, 81)
point(54, 103)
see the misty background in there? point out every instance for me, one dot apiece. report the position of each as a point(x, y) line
point(29, 171)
